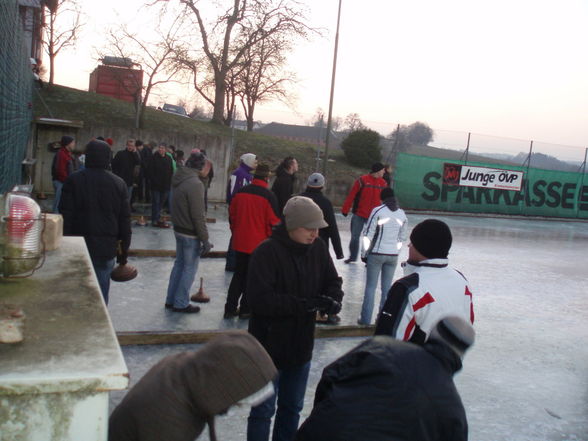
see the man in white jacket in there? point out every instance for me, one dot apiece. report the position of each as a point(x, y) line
point(382, 237)
point(430, 289)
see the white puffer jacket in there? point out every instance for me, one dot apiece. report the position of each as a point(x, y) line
point(384, 231)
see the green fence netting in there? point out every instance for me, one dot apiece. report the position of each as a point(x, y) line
point(419, 185)
point(16, 81)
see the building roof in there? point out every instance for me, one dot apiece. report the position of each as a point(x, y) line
point(311, 134)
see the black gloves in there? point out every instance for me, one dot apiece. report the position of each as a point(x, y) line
point(324, 304)
point(205, 247)
point(122, 251)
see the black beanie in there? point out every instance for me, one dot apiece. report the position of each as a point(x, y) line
point(386, 193)
point(97, 155)
point(432, 238)
point(377, 167)
point(65, 140)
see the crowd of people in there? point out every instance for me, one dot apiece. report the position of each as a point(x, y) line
point(285, 281)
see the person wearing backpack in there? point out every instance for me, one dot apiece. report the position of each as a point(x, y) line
point(361, 200)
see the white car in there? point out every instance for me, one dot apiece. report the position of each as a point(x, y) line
point(176, 110)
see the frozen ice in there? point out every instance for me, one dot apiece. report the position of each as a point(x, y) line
point(526, 377)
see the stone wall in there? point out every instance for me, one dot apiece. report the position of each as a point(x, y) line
point(217, 149)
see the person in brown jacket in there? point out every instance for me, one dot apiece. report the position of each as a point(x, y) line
point(184, 392)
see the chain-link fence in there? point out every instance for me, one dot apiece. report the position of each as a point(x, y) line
point(16, 82)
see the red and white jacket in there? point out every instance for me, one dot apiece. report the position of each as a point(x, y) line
point(364, 196)
point(431, 291)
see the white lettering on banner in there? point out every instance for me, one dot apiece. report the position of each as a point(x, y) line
point(472, 176)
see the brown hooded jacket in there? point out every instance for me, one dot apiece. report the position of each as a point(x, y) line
point(181, 393)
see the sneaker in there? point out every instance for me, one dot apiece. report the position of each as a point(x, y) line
point(187, 309)
point(200, 297)
point(348, 261)
point(333, 319)
point(168, 306)
point(162, 224)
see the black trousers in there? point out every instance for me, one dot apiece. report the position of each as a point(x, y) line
point(238, 285)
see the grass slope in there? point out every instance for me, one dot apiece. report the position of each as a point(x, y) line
point(67, 103)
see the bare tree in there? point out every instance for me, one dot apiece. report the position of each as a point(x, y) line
point(61, 30)
point(227, 38)
point(262, 77)
point(156, 60)
point(353, 123)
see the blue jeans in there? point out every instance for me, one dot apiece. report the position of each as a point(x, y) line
point(290, 386)
point(158, 198)
point(57, 185)
point(183, 272)
point(130, 193)
point(375, 264)
point(357, 224)
point(103, 267)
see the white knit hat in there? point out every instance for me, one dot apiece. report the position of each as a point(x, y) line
point(248, 159)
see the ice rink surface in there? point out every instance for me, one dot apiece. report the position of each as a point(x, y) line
point(525, 379)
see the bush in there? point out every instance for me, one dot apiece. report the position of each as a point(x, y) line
point(362, 148)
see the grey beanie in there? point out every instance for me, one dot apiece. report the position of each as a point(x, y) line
point(316, 180)
point(196, 160)
point(454, 332)
point(303, 212)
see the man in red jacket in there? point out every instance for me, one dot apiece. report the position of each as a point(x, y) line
point(252, 213)
point(64, 164)
point(361, 200)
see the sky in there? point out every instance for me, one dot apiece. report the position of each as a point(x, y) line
point(507, 68)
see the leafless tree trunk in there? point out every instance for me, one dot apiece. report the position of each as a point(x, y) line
point(227, 38)
point(61, 30)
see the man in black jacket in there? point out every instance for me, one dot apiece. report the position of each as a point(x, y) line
point(291, 276)
point(160, 174)
point(94, 204)
point(386, 389)
point(314, 191)
point(124, 163)
point(283, 186)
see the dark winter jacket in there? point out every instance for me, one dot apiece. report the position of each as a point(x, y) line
point(385, 389)
point(252, 214)
point(283, 187)
point(124, 163)
point(187, 205)
point(160, 172)
point(364, 196)
point(94, 204)
point(283, 275)
point(183, 392)
point(332, 231)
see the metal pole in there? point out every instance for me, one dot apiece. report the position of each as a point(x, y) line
point(583, 167)
point(329, 120)
point(468, 148)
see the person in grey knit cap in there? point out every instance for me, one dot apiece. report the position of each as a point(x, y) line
point(291, 276)
point(189, 220)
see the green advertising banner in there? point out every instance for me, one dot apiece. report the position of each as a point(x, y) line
point(419, 184)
